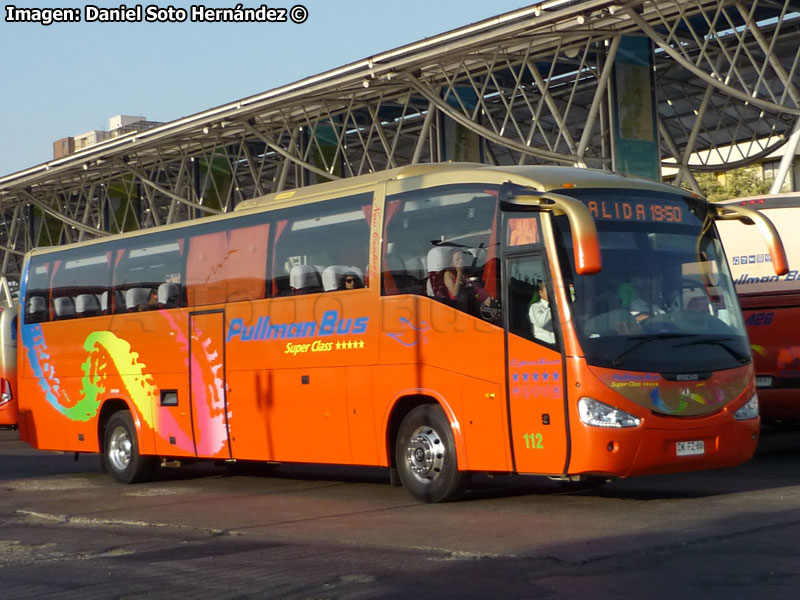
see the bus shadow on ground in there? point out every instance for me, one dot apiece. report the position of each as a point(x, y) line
point(774, 466)
point(44, 464)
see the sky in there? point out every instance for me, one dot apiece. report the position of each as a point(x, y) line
point(66, 79)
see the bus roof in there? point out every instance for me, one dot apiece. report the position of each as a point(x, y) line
point(540, 177)
point(552, 178)
point(785, 200)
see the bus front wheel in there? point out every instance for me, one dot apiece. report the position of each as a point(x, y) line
point(121, 450)
point(425, 456)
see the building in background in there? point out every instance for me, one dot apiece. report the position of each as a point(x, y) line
point(117, 126)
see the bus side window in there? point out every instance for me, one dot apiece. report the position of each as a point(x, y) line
point(140, 270)
point(315, 245)
point(227, 265)
point(523, 230)
point(37, 294)
point(205, 268)
point(79, 276)
point(531, 315)
point(246, 263)
point(438, 236)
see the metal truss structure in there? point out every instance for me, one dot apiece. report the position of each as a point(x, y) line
point(527, 87)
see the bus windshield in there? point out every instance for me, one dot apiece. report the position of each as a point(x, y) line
point(664, 300)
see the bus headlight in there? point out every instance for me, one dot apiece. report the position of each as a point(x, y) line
point(598, 414)
point(748, 411)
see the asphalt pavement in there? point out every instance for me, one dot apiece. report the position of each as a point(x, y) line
point(313, 532)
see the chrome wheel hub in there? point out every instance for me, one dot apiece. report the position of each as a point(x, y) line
point(425, 454)
point(119, 449)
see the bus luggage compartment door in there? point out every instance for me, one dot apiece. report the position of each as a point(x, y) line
point(207, 384)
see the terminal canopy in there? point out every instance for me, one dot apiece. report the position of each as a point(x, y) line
point(655, 88)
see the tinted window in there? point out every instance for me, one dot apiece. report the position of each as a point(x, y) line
point(66, 285)
point(227, 265)
point(148, 264)
point(530, 311)
point(442, 243)
point(37, 295)
point(317, 247)
point(664, 299)
point(80, 279)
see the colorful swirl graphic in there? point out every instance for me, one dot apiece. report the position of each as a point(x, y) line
point(108, 355)
point(104, 350)
point(684, 398)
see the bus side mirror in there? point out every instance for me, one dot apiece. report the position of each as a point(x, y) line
point(584, 233)
point(748, 216)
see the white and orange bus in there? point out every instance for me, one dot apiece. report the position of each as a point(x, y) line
point(434, 319)
point(8, 365)
point(771, 303)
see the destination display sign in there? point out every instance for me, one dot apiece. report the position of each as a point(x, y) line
point(641, 210)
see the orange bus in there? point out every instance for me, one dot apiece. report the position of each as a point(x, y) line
point(771, 303)
point(8, 365)
point(436, 320)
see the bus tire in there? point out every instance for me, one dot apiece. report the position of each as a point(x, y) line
point(121, 450)
point(425, 456)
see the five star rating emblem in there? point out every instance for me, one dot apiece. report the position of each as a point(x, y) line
point(350, 345)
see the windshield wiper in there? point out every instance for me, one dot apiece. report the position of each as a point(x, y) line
point(643, 339)
point(720, 341)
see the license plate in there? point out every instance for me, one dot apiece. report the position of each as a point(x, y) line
point(764, 381)
point(691, 448)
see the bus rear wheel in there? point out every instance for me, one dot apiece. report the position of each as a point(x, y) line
point(425, 456)
point(121, 451)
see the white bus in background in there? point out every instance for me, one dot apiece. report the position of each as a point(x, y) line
point(8, 365)
point(771, 303)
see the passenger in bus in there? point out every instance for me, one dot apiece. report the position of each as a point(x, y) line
point(541, 315)
point(452, 283)
point(454, 277)
point(446, 275)
point(351, 281)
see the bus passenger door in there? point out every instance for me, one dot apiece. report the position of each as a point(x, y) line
point(534, 368)
point(207, 384)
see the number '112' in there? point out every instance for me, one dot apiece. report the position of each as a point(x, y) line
point(533, 441)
